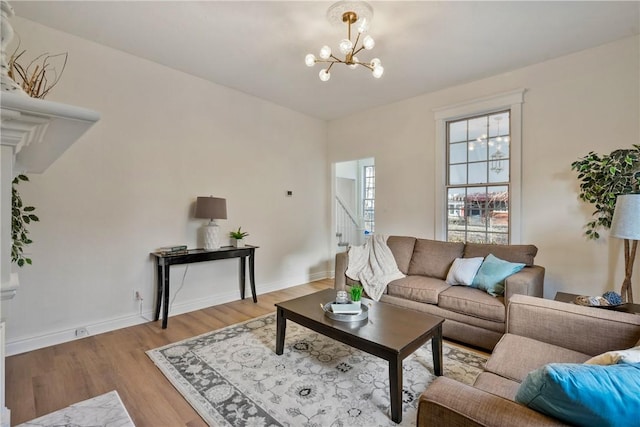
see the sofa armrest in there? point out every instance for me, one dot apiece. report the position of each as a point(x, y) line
point(586, 330)
point(342, 262)
point(447, 402)
point(528, 281)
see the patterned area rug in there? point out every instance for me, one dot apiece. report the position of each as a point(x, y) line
point(106, 410)
point(233, 377)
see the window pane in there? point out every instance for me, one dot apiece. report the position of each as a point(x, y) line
point(477, 151)
point(458, 131)
point(477, 173)
point(478, 128)
point(499, 171)
point(499, 124)
point(456, 236)
point(498, 239)
point(458, 153)
point(458, 174)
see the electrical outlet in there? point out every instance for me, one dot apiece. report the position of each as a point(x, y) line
point(82, 332)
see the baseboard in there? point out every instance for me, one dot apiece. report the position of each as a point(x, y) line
point(35, 342)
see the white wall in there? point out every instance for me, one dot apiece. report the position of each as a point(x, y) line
point(128, 186)
point(578, 103)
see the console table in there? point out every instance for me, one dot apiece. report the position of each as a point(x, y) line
point(165, 261)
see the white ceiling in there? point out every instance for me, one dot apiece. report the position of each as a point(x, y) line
point(258, 47)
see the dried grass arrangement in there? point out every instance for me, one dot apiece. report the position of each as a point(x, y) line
point(35, 77)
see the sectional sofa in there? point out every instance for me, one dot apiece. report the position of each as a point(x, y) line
point(472, 315)
point(542, 332)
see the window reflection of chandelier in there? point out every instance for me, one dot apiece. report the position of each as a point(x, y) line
point(497, 158)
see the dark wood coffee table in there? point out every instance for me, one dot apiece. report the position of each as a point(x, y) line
point(391, 333)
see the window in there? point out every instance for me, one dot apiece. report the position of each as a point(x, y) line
point(478, 169)
point(368, 199)
point(478, 179)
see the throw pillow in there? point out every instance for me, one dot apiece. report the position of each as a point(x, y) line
point(584, 395)
point(492, 272)
point(463, 271)
point(631, 355)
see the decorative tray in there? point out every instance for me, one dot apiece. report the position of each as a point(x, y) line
point(346, 317)
point(595, 301)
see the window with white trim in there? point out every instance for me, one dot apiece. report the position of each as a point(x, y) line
point(478, 169)
point(478, 178)
point(369, 199)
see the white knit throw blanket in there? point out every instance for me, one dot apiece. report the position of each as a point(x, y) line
point(373, 265)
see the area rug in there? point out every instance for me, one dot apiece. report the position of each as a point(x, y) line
point(105, 410)
point(232, 377)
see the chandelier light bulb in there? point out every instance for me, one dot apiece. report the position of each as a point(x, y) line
point(345, 46)
point(368, 42)
point(472, 146)
point(310, 60)
point(363, 25)
point(375, 62)
point(378, 71)
point(325, 52)
point(355, 61)
point(324, 75)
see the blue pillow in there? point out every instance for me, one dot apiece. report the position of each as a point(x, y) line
point(492, 272)
point(585, 395)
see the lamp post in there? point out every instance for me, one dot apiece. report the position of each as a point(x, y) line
point(626, 225)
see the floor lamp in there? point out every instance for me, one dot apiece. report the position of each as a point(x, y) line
point(626, 225)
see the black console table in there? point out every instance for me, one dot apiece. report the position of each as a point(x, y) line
point(165, 261)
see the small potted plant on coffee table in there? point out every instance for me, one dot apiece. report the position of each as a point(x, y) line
point(356, 294)
point(237, 237)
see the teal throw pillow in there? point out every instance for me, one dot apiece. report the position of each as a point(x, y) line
point(492, 272)
point(585, 395)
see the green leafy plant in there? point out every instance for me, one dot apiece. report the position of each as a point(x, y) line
point(356, 292)
point(21, 216)
point(602, 179)
point(238, 235)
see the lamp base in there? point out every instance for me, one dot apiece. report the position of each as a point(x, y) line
point(211, 236)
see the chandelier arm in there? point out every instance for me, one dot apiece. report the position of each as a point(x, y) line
point(356, 51)
point(325, 61)
point(364, 65)
point(337, 59)
point(355, 43)
point(329, 67)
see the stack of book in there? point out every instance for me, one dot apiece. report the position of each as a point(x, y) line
point(174, 250)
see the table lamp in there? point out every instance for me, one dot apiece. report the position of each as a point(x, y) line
point(626, 225)
point(212, 208)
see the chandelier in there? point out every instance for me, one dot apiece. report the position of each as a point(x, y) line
point(350, 13)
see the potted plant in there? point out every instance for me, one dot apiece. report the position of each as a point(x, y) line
point(602, 179)
point(237, 237)
point(356, 294)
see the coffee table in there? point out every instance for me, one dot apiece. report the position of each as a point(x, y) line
point(390, 332)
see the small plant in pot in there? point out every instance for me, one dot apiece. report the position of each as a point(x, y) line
point(237, 237)
point(356, 293)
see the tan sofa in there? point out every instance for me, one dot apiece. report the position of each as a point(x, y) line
point(538, 332)
point(472, 315)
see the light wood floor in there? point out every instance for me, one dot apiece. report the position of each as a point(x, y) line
point(45, 380)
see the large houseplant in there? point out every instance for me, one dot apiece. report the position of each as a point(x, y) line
point(604, 177)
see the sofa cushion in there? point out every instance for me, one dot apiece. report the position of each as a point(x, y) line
point(492, 272)
point(472, 302)
point(512, 253)
point(585, 395)
point(497, 385)
point(434, 258)
point(515, 356)
point(402, 249)
point(417, 288)
point(463, 271)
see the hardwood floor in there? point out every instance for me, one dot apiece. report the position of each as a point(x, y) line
point(45, 380)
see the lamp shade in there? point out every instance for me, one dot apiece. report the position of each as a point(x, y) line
point(626, 217)
point(211, 207)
